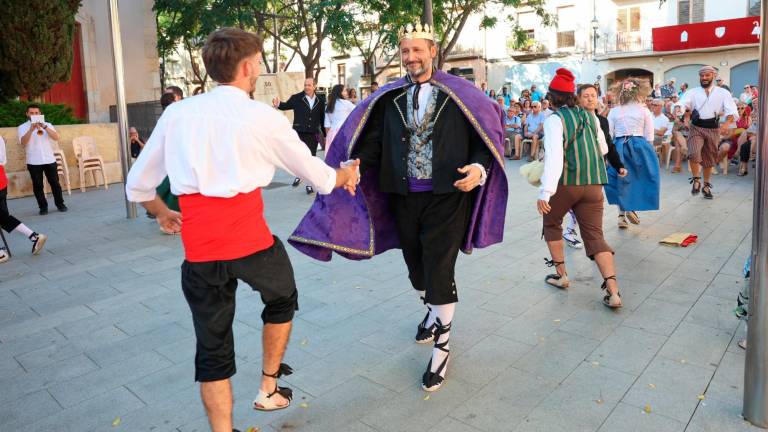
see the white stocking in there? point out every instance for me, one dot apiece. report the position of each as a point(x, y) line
point(24, 230)
point(445, 314)
point(571, 222)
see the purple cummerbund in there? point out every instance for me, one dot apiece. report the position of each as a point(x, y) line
point(419, 185)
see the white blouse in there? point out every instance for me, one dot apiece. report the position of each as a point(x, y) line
point(340, 113)
point(631, 120)
point(221, 144)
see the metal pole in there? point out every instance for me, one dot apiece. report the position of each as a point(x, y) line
point(756, 364)
point(122, 110)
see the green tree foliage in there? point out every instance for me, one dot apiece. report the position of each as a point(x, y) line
point(36, 46)
point(14, 113)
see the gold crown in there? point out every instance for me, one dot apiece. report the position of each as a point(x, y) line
point(419, 31)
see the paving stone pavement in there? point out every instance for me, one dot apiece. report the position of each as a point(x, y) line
point(95, 334)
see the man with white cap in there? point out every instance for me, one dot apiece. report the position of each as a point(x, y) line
point(703, 106)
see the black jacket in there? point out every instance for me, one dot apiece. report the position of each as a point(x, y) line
point(613, 156)
point(383, 144)
point(305, 120)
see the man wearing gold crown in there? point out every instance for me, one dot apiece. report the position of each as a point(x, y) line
point(430, 147)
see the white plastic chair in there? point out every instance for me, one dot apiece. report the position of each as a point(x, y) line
point(88, 160)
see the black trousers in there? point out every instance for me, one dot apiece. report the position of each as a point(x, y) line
point(7, 222)
point(36, 172)
point(209, 288)
point(431, 229)
point(310, 139)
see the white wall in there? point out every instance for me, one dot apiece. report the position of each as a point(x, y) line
point(715, 10)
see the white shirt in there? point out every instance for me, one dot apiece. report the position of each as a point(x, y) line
point(554, 154)
point(220, 144)
point(719, 101)
point(311, 100)
point(39, 149)
point(424, 94)
point(662, 121)
point(340, 113)
point(3, 158)
point(631, 120)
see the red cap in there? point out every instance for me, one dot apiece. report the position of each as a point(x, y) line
point(564, 81)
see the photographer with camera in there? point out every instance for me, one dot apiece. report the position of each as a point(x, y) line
point(703, 105)
point(37, 137)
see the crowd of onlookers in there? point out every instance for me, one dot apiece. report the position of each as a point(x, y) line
point(525, 117)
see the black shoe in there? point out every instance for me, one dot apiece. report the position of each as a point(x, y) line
point(425, 334)
point(62, 208)
point(432, 381)
point(43, 212)
point(696, 182)
point(310, 191)
point(707, 190)
point(296, 182)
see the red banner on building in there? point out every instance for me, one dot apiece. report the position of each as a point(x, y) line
point(707, 34)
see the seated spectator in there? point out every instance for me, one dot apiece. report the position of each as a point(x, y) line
point(492, 94)
point(747, 147)
point(680, 130)
point(137, 144)
point(513, 128)
point(534, 129)
point(500, 101)
point(525, 95)
point(176, 92)
point(526, 103)
point(683, 89)
point(662, 132)
point(746, 95)
point(545, 108)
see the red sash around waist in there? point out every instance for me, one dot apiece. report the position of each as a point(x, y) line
point(219, 229)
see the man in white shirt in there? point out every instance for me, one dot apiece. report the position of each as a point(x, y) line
point(545, 109)
point(37, 139)
point(219, 149)
point(534, 129)
point(703, 106)
point(662, 130)
point(308, 118)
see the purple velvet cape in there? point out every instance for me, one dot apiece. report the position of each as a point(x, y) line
point(362, 226)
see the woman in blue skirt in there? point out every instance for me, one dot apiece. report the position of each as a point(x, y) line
point(631, 125)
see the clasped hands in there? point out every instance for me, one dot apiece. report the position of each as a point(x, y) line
point(348, 175)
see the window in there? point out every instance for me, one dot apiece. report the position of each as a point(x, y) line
point(566, 20)
point(753, 8)
point(628, 20)
point(528, 21)
point(341, 68)
point(691, 11)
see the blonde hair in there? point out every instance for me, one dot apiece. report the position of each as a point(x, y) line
point(631, 90)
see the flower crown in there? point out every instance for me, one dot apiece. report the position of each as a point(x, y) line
point(629, 88)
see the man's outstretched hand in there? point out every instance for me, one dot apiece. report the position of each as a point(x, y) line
point(472, 179)
point(169, 221)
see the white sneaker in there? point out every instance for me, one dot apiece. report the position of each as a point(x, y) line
point(571, 238)
point(4, 255)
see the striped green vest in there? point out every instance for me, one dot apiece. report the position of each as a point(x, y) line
point(583, 161)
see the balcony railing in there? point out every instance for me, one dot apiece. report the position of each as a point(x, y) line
point(624, 42)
